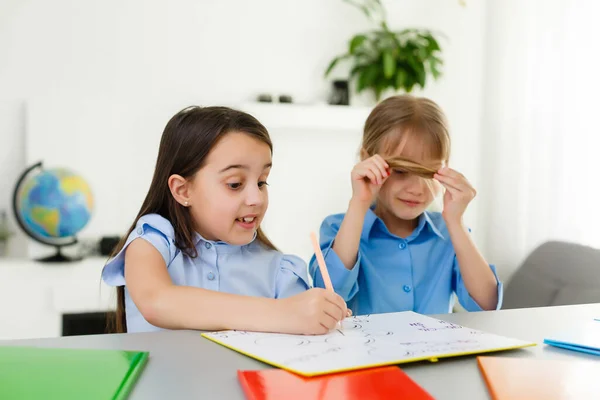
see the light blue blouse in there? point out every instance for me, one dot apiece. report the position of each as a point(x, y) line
point(250, 270)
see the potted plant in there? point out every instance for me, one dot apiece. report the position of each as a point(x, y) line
point(5, 233)
point(383, 59)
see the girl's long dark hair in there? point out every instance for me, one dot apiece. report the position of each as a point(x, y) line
point(186, 141)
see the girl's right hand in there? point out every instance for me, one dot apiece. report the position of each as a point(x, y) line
point(313, 312)
point(367, 178)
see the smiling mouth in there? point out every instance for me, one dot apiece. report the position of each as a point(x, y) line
point(246, 220)
point(411, 203)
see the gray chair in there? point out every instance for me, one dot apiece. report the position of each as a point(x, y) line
point(555, 273)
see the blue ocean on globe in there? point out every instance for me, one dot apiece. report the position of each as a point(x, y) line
point(55, 203)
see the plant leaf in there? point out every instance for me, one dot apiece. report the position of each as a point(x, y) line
point(389, 64)
point(419, 70)
point(334, 62)
point(410, 83)
point(355, 43)
point(355, 70)
point(401, 76)
point(435, 72)
point(367, 77)
point(432, 44)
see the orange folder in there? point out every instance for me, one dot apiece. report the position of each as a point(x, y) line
point(375, 383)
point(534, 378)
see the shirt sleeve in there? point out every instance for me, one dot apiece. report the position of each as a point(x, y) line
point(462, 293)
point(157, 231)
point(345, 282)
point(292, 277)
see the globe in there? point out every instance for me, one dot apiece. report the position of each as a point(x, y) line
point(52, 206)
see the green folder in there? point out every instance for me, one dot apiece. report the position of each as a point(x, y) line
point(52, 373)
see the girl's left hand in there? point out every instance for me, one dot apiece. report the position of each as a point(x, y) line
point(459, 194)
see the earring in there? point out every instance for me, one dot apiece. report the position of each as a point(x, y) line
point(186, 203)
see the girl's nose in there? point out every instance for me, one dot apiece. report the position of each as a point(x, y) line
point(254, 196)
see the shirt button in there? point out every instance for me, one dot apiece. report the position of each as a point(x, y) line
point(406, 288)
point(207, 245)
point(402, 246)
point(211, 276)
point(140, 231)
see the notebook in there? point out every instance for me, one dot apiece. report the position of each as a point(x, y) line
point(51, 373)
point(365, 341)
point(532, 378)
point(372, 384)
point(585, 339)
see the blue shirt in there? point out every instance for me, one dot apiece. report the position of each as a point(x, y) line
point(419, 273)
point(250, 270)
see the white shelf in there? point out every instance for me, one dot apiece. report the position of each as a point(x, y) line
point(33, 295)
point(302, 116)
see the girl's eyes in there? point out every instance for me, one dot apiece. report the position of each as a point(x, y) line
point(237, 185)
point(399, 171)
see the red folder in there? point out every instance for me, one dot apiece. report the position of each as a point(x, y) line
point(375, 383)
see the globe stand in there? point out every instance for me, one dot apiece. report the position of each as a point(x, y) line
point(59, 257)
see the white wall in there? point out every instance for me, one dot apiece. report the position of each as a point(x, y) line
point(315, 147)
point(184, 51)
point(541, 142)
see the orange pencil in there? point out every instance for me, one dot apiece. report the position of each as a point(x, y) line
point(321, 262)
point(322, 266)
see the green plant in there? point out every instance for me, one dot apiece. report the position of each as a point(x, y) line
point(5, 232)
point(385, 59)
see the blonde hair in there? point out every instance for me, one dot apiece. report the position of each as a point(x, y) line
point(398, 119)
point(406, 165)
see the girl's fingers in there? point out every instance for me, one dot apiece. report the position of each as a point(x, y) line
point(374, 174)
point(451, 173)
point(334, 312)
point(337, 301)
point(382, 175)
point(453, 182)
point(378, 157)
point(361, 172)
point(328, 322)
point(372, 177)
point(458, 193)
point(374, 169)
point(381, 164)
point(454, 193)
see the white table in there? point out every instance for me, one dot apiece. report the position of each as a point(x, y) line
point(184, 365)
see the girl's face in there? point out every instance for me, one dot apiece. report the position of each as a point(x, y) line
point(228, 196)
point(403, 195)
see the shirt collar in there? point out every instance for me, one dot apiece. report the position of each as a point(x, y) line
point(199, 239)
point(434, 228)
point(424, 220)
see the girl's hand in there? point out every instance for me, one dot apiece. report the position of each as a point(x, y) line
point(314, 312)
point(367, 178)
point(459, 194)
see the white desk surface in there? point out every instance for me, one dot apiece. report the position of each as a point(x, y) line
point(184, 365)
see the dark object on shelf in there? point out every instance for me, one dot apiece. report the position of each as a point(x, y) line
point(93, 323)
point(340, 95)
point(107, 245)
point(284, 98)
point(265, 98)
